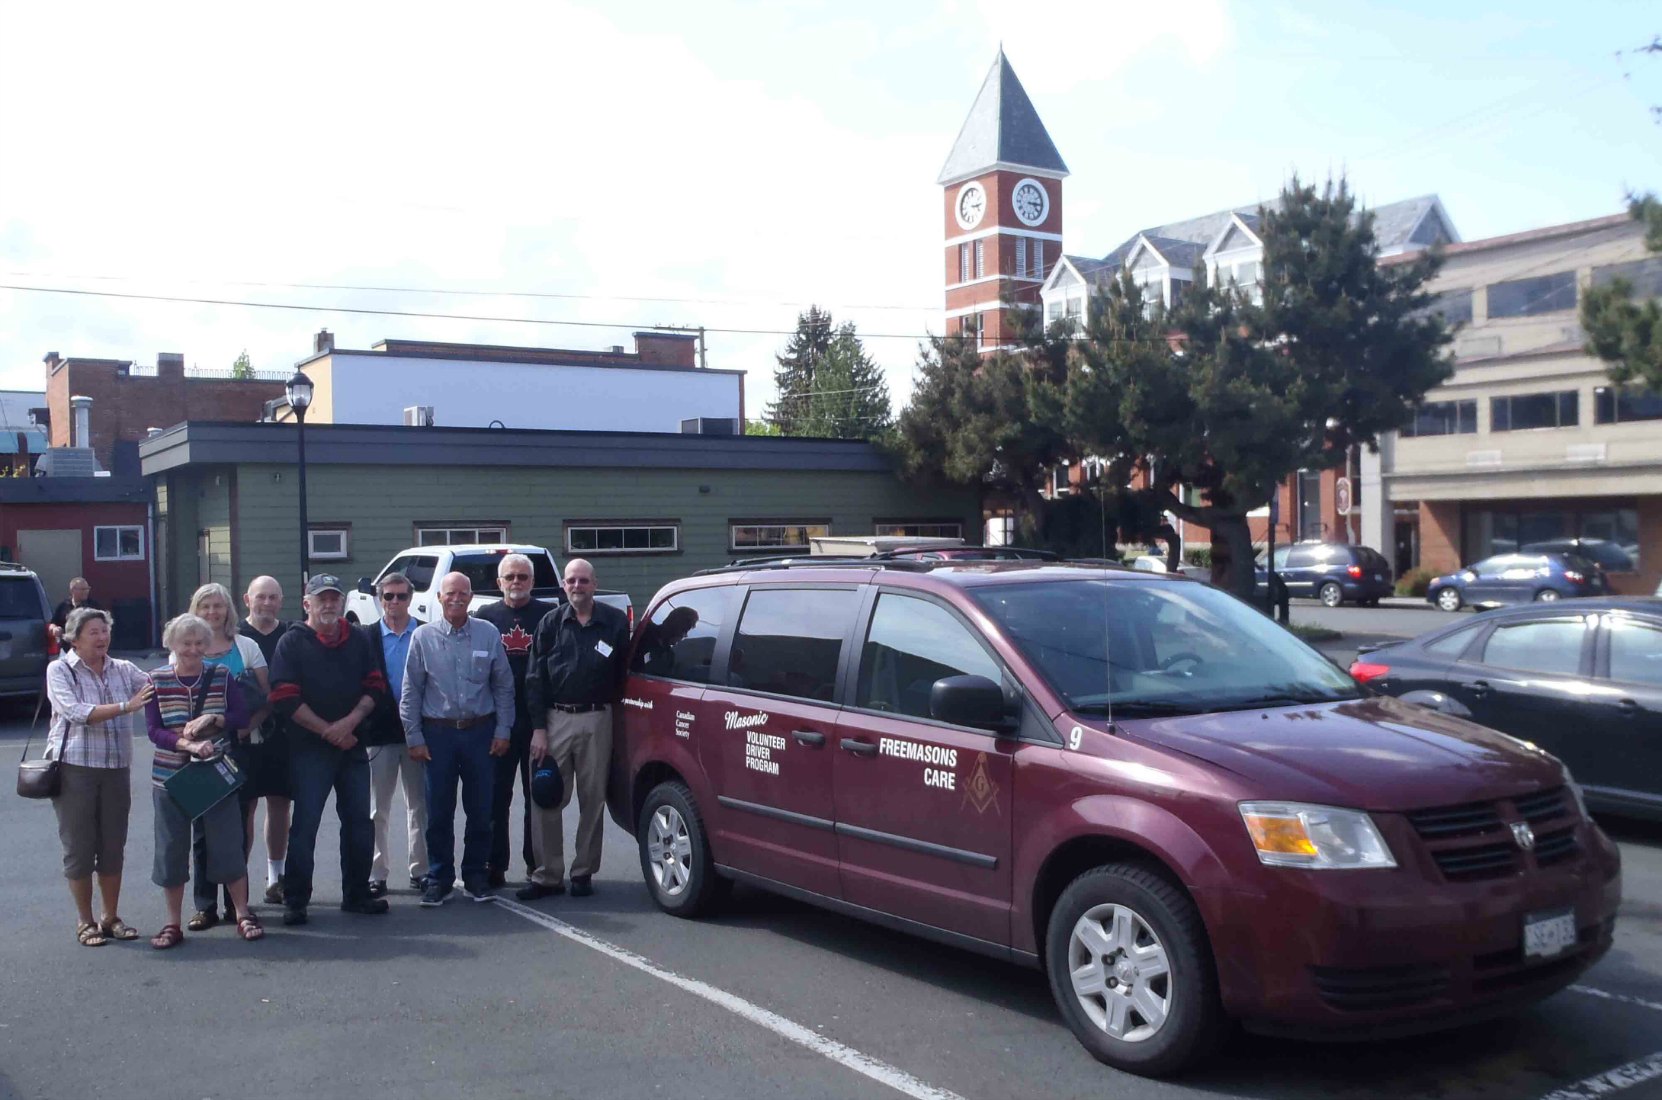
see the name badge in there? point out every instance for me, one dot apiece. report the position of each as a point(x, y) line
point(603, 649)
point(481, 653)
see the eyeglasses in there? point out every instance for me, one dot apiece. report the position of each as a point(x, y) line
point(514, 577)
point(579, 580)
point(395, 597)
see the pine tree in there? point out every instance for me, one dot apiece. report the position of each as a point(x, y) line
point(850, 395)
point(797, 367)
point(1624, 333)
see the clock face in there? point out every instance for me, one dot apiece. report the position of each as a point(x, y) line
point(972, 204)
point(1031, 202)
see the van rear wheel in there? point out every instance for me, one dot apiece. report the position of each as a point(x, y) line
point(1131, 969)
point(1331, 595)
point(675, 853)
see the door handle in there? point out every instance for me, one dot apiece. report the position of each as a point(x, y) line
point(1627, 708)
point(809, 737)
point(1479, 687)
point(859, 748)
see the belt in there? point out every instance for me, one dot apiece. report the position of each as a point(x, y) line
point(459, 723)
point(577, 708)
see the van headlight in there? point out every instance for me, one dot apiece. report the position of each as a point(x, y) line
point(1320, 838)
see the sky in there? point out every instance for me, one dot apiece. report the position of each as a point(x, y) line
point(563, 173)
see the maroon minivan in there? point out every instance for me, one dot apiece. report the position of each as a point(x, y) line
point(1178, 810)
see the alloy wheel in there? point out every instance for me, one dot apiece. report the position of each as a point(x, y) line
point(669, 851)
point(1120, 972)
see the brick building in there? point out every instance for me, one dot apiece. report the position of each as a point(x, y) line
point(129, 399)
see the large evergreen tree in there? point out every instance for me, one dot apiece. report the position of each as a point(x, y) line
point(1625, 333)
point(1229, 396)
point(849, 398)
point(797, 367)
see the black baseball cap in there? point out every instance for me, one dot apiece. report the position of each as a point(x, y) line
point(546, 785)
point(324, 582)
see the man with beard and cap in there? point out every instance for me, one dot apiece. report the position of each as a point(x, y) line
point(324, 683)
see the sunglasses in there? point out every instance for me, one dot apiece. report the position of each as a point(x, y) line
point(579, 580)
point(395, 597)
point(514, 577)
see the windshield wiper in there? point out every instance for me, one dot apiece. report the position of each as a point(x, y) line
point(1137, 708)
point(1285, 699)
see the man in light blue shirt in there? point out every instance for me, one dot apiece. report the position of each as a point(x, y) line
point(390, 763)
point(457, 709)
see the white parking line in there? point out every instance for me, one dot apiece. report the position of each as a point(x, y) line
point(1620, 997)
point(1611, 1080)
point(878, 1071)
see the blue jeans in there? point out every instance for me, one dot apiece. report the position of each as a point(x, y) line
point(465, 755)
point(316, 768)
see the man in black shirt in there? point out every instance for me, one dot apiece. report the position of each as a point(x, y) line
point(516, 617)
point(577, 672)
point(80, 595)
point(268, 763)
point(324, 683)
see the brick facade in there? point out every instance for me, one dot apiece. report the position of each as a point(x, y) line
point(127, 402)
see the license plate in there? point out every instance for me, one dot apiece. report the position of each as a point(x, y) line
point(1549, 933)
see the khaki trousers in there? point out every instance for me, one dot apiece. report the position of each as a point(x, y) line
point(581, 745)
point(390, 766)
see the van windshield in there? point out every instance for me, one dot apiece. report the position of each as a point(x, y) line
point(1141, 650)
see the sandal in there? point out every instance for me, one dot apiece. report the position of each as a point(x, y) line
point(250, 928)
point(117, 929)
point(171, 935)
point(202, 920)
point(89, 934)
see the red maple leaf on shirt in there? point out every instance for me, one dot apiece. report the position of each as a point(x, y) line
point(516, 640)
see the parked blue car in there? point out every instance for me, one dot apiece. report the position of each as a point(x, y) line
point(1517, 578)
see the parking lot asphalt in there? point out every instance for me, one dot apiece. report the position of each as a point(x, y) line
point(608, 997)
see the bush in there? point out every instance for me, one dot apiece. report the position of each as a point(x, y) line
point(1198, 555)
point(1415, 582)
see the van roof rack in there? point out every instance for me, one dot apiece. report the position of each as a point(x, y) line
point(822, 561)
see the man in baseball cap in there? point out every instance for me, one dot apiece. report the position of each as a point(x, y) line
point(324, 684)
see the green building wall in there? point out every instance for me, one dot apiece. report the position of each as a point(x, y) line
point(233, 523)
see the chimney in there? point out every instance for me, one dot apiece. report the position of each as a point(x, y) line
point(82, 407)
point(666, 349)
point(51, 360)
point(323, 341)
point(170, 364)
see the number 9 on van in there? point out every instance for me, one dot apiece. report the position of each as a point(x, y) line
point(1319, 838)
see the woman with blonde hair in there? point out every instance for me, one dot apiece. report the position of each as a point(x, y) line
point(194, 715)
point(242, 657)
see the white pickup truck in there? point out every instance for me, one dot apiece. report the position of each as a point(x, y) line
point(427, 565)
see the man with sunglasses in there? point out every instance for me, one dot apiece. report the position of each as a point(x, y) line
point(390, 764)
point(516, 617)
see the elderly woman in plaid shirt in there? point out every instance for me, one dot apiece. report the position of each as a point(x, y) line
point(96, 700)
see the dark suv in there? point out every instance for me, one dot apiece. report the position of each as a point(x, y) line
point(1334, 572)
point(25, 646)
point(1133, 781)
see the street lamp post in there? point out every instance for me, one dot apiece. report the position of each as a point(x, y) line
point(299, 391)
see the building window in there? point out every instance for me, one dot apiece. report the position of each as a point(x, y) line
point(1527, 297)
point(118, 543)
point(1644, 276)
point(776, 534)
point(459, 536)
point(969, 327)
point(623, 538)
point(919, 529)
point(963, 263)
point(1038, 259)
point(328, 543)
point(1523, 411)
point(980, 258)
point(1443, 418)
point(1617, 405)
point(1609, 536)
point(1454, 306)
point(1021, 257)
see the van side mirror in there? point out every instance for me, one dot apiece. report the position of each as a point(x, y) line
point(366, 585)
point(973, 701)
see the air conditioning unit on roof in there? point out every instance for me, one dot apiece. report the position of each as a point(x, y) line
point(418, 416)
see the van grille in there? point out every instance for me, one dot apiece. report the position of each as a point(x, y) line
point(1473, 841)
point(1380, 986)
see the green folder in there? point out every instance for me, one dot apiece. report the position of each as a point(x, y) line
point(203, 784)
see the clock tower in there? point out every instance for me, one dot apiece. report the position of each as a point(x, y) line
point(1002, 185)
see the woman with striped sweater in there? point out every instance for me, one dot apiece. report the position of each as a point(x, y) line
point(196, 706)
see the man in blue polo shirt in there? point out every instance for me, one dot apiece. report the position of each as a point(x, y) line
point(390, 763)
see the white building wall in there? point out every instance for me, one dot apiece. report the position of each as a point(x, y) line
point(376, 388)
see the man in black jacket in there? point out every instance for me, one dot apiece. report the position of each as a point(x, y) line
point(389, 758)
point(576, 675)
point(324, 683)
point(516, 617)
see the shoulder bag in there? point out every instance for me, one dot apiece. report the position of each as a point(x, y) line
point(201, 785)
point(37, 778)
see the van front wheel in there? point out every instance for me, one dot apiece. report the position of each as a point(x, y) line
point(675, 853)
point(1131, 969)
